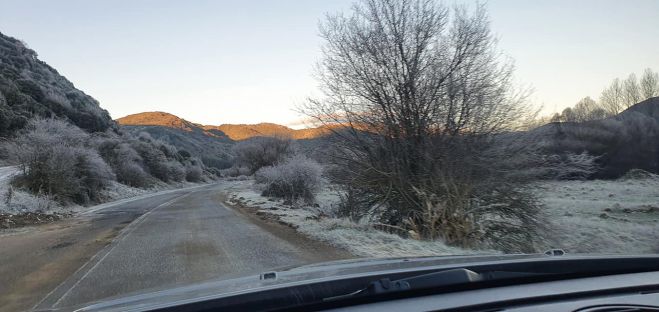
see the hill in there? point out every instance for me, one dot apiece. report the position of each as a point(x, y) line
point(209, 144)
point(629, 140)
point(234, 132)
point(246, 131)
point(31, 88)
point(649, 108)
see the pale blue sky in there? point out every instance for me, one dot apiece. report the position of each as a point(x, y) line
point(217, 62)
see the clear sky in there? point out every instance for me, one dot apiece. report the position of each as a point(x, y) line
point(217, 62)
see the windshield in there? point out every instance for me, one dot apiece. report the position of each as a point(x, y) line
point(150, 145)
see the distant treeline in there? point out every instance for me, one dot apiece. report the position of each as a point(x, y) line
point(629, 140)
point(617, 97)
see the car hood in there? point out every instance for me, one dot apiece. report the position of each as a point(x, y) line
point(291, 276)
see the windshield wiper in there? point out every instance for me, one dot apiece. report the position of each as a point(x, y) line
point(444, 278)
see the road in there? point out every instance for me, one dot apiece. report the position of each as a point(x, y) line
point(167, 240)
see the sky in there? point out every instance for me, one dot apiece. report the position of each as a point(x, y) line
point(216, 62)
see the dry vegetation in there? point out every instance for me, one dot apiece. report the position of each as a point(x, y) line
point(30, 88)
point(59, 160)
point(432, 143)
point(236, 132)
point(428, 143)
point(430, 104)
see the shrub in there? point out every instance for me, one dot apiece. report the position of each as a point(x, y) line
point(128, 166)
point(235, 171)
point(55, 160)
point(154, 160)
point(259, 152)
point(131, 173)
point(92, 174)
point(193, 173)
point(124, 160)
point(160, 159)
point(627, 141)
point(296, 177)
point(447, 192)
point(349, 204)
point(175, 171)
point(638, 174)
point(216, 162)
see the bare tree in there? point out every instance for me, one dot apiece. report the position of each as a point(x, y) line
point(632, 91)
point(568, 115)
point(420, 89)
point(649, 84)
point(612, 98)
point(621, 95)
point(585, 110)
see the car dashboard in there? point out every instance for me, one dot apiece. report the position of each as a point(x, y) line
point(621, 292)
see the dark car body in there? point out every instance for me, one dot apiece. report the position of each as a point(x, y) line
point(310, 286)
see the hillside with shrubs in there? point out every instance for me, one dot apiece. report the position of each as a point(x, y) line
point(233, 132)
point(622, 142)
point(66, 149)
point(451, 157)
point(211, 146)
point(29, 88)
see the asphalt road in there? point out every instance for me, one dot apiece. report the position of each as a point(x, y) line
point(168, 240)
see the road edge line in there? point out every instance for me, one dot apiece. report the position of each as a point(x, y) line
point(107, 249)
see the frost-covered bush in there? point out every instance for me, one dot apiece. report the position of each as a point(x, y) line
point(638, 174)
point(55, 160)
point(259, 152)
point(160, 159)
point(194, 171)
point(295, 177)
point(235, 171)
point(154, 159)
point(124, 160)
point(128, 166)
point(628, 141)
point(92, 174)
point(216, 162)
point(131, 173)
point(175, 171)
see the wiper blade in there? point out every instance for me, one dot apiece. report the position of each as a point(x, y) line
point(444, 278)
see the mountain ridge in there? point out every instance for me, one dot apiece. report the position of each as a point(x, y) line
point(235, 132)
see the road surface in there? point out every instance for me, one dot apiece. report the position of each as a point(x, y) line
point(167, 240)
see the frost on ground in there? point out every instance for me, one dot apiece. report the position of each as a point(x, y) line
point(620, 216)
point(359, 239)
point(20, 208)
